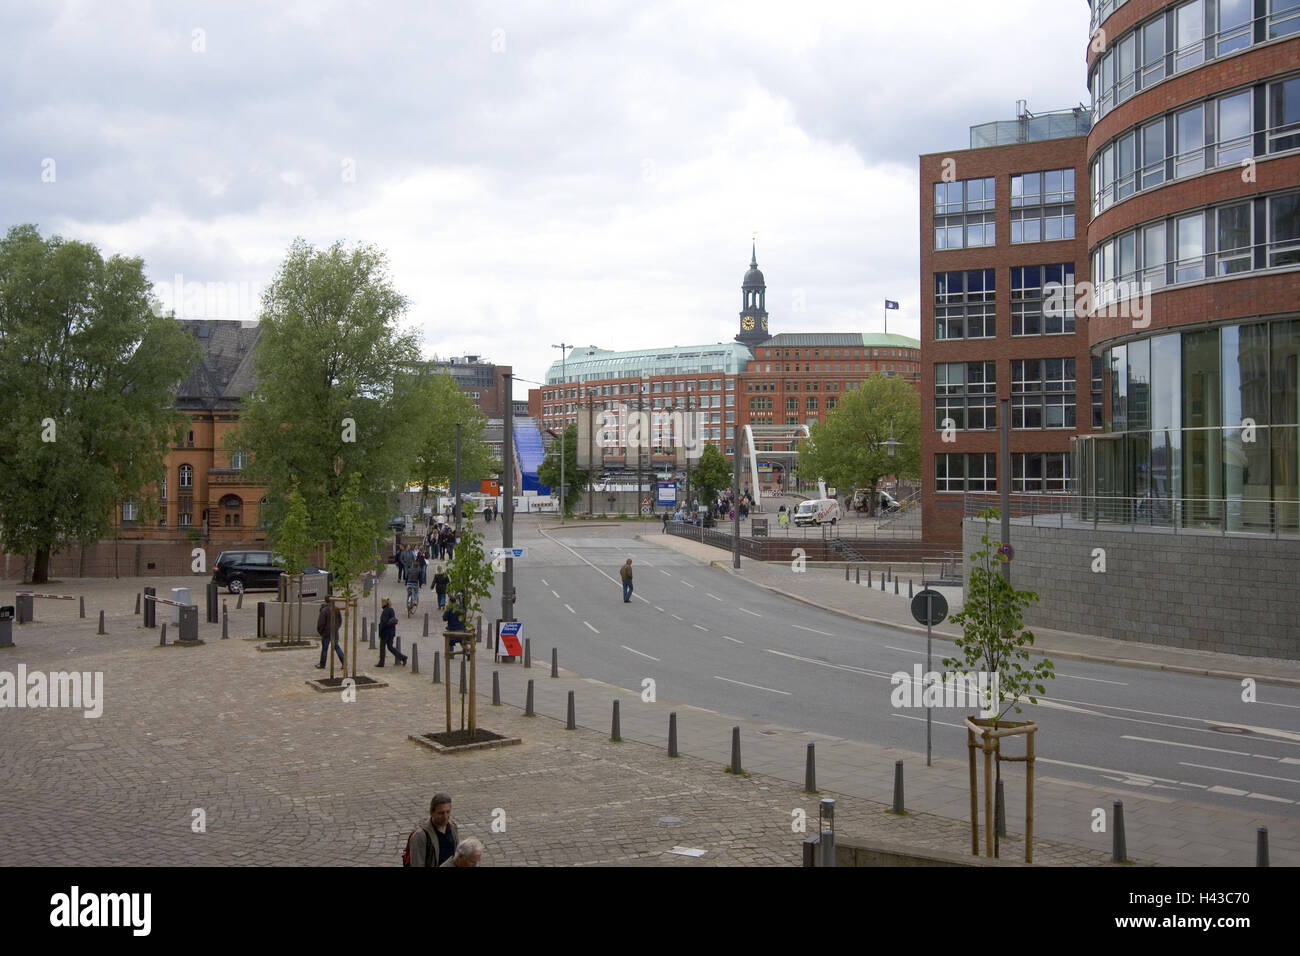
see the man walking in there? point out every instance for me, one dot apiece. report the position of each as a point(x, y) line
point(323, 628)
point(440, 582)
point(387, 634)
point(434, 842)
point(625, 573)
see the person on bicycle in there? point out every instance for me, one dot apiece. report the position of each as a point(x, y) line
point(412, 576)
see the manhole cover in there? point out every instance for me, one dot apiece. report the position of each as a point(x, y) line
point(85, 746)
point(1231, 730)
point(671, 821)
point(769, 733)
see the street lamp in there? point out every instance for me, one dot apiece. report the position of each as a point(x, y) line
point(564, 395)
point(892, 443)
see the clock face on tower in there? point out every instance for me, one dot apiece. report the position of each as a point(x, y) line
point(747, 323)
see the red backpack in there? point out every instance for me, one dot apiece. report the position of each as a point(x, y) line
point(428, 847)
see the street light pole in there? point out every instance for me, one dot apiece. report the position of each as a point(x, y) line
point(508, 515)
point(735, 498)
point(564, 421)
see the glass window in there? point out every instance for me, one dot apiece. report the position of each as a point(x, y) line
point(1153, 255)
point(1153, 51)
point(1189, 36)
point(1284, 18)
point(1284, 230)
point(1153, 154)
point(1233, 239)
point(1124, 81)
point(1190, 235)
point(1189, 141)
point(1126, 155)
point(1284, 115)
point(1234, 25)
point(1234, 133)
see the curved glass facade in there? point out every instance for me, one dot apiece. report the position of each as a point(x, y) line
point(1204, 430)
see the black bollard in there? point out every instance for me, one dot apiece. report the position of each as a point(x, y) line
point(225, 621)
point(857, 575)
point(890, 569)
point(909, 587)
point(137, 602)
point(735, 751)
point(373, 645)
point(615, 734)
point(528, 707)
point(210, 603)
point(882, 582)
point(437, 667)
point(239, 601)
point(426, 624)
point(528, 652)
point(164, 634)
point(1119, 850)
point(101, 623)
point(363, 628)
point(496, 688)
point(150, 608)
point(462, 676)
point(895, 585)
point(810, 771)
point(415, 658)
point(672, 734)
point(1261, 846)
point(846, 572)
point(555, 662)
point(83, 606)
point(398, 643)
point(898, 807)
point(572, 723)
point(1000, 810)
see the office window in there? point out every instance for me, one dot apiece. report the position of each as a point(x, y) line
point(1125, 166)
point(1040, 473)
point(1284, 115)
point(1098, 396)
point(811, 405)
point(830, 403)
point(1042, 206)
point(792, 404)
point(1233, 246)
point(981, 472)
point(1042, 393)
point(1042, 299)
point(1153, 154)
point(963, 214)
point(1153, 51)
point(965, 392)
point(1233, 27)
point(949, 472)
point(964, 304)
point(1125, 77)
point(1284, 230)
point(1190, 252)
point(1234, 140)
point(1283, 18)
point(1153, 255)
point(1189, 36)
point(186, 476)
point(1189, 141)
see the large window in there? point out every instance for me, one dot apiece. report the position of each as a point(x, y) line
point(1284, 230)
point(1284, 115)
point(1042, 299)
point(1233, 140)
point(964, 304)
point(1283, 18)
point(1190, 255)
point(963, 214)
point(1189, 141)
point(1233, 247)
point(1234, 17)
point(1189, 36)
point(186, 475)
point(1040, 472)
point(966, 393)
point(1042, 393)
point(956, 472)
point(1042, 206)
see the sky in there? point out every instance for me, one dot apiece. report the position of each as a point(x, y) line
point(536, 173)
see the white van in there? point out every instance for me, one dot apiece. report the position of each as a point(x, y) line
point(817, 511)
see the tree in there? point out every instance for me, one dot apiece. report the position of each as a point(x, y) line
point(329, 399)
point(849, 448)
point(352, 539)
point(712, 473)
point(994, 638)
point(88, 379)
point(292, 537)
point(470, 575)
point(549, 471)
point(440, 405)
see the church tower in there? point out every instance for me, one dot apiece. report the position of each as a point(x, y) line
point(753, 310)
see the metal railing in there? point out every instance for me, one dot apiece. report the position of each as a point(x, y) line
point(1226, 515)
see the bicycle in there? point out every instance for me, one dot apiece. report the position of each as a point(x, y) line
point(412, 598)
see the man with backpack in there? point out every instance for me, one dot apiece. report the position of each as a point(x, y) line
point(434, 841)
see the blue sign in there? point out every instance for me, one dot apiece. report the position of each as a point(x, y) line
point(667, 493)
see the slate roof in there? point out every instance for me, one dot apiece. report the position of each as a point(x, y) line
point(224, 373)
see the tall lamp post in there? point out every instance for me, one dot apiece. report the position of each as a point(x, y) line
point(890, 447)
point(564, 422)
point(686, 425)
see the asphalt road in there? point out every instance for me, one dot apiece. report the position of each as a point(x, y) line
point(715, 641)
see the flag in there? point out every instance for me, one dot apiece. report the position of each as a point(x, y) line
point(891, 304)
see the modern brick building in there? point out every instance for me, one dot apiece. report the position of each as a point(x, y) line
point(1002, 249)
point(480, 380)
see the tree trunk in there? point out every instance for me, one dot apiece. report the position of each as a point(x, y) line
point(41, 571)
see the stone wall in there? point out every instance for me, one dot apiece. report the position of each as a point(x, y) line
point(1231, 593)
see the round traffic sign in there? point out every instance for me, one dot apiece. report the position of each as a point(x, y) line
point(929, 607)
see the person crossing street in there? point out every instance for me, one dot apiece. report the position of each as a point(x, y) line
point(625, 573)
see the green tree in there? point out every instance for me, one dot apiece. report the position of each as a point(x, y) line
point(88, 380)
point(330, 397)
point(549, 471)
point(292, 538)
point(994, 638)
point(849, 449)
point(470, 575)
point(439, 405)
point(710, 474)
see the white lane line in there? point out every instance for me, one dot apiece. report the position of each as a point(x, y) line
point(714, 596)
point(635, 651)
point(659, 609)
point(705, 629)
point(556, 593)
point(662, 571)
point(1289, 760)
point(755, 686)
point(1265, 796)
point(838, 667)
point(812, 630)
point(1175, 743)
point(732, 639)
point(905, 650)
point(1243, 773)
point(689, 584)
point(676, 618)
point(571, 610)
point(1228, 791)
point(1095, 680)
point(545, 583)
point(1272, 704)
point(640, 598)
point(941, 723)
point(748, 611)
point(592, 629)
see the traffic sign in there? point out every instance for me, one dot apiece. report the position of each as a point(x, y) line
point(929, 604)
point(504, 553)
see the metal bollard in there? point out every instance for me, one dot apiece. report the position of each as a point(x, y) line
point(1261, 846)
point(496, 688)
point(615, 735)
point(909, 587)
point(137, 602)
point(163, 642)
point(810, 771)
point(572, 723)
point(868, 577)
point(882, 582)
point(415, 658)
point(373, 645)
point(437, 667)
point(846, 573)
point(555, 662)
point(528, 652)
point(398, 643)
point(895, 585)
point(462, 676)
point(735, 751)
point(1119, 850)
point(150, 609)
point(857, 575)
point(826, 831)
point(101, 623)
point(672, 734)
point(528, 707)
point(83, 606)
point(225, 621)
point(426, 624)
point(239, 601)
point(1000, 810)
point(898, 807)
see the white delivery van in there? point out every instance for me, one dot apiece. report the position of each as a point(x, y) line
point(817, 511)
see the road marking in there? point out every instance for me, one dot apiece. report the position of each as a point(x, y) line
point(556, 593)
point(593, 630)
point(675, 617)
point(838, 667)
point(659, 609)
point(1243, 773)
point(1229, 791)
point(689, 584)
point(1272, 704)
point(905, 650)
point(545, 583)
point(1095, 680)
point(812, 630)
point(732, 639)
point(755, 686)
point(748, 611)
point(662, 571)
point(714, 596)
point(641, 599)
point(1174, 743)
point(635, 651)
point(1265, 796)
point(700, 627)
point(571, 610)
point(941, 723)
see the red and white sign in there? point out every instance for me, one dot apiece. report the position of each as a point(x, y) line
point(512, 638)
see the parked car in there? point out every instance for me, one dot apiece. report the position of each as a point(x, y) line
point(245, 570)
point(817, 511)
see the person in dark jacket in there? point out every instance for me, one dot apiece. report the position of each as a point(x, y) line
point(440, 582)
point(323, 628)
point(454, 616)
point(388, 633)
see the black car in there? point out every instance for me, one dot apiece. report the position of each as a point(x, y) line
point(243, 570)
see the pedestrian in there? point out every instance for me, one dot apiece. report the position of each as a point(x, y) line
point(744, 511)
point(422, 562)
point(440, 582)
point(323, 628)
point(665, 517)
point(625, 573)
point(434, 841)
point(399, 559)
point(468, 853)
point(455, 617)
point(487, 514)
point(451, 544)
point(387, 633)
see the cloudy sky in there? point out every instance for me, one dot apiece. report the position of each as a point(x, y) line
point(586, 172)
